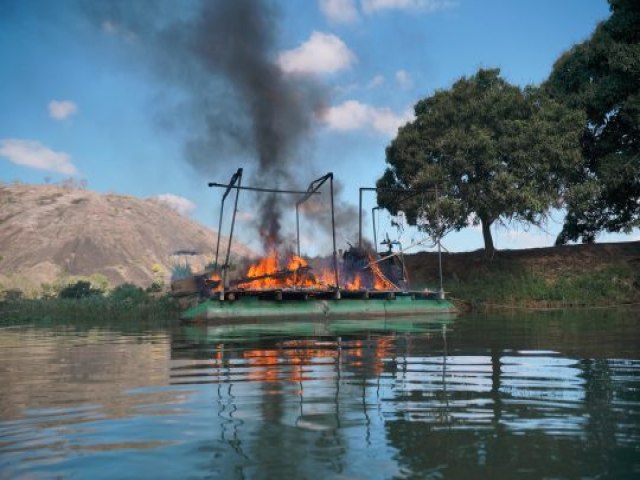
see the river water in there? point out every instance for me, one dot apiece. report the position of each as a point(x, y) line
point(493, 396)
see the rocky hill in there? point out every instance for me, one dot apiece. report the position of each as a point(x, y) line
point(48, 233)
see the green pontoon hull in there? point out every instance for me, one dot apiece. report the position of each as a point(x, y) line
point(253, 307)
point(239, 332)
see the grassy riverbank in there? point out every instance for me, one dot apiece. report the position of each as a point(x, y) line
point(598, 275)
point(554, 277)
point(102, 308)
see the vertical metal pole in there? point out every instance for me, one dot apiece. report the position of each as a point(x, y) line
point(375, 235)
point(219, 233)
point(439, 247)
point(359, 219)
point(298, 228)
point(333, 231)
point(233, 180)
point(404, 269)
point(233, 224)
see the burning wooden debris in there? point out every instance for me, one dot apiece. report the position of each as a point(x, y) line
point(356, 273)
point(267, 274)
point(359, 270)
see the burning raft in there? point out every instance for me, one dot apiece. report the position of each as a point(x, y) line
point(360, 284)
point(274, 289)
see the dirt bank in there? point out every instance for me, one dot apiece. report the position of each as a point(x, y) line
point(575, 275)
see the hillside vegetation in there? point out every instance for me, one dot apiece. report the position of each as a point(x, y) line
point(563, 276)
point(51, 235)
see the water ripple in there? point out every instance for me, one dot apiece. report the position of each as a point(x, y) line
point(458, 402)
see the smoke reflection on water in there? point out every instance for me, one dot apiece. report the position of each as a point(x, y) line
point(537, 396)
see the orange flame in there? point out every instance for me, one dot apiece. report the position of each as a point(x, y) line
point(380, 282)
point(355, 284)
point(269, 273)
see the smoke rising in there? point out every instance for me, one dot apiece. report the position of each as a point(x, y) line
point(318, 212)
point(222, 55)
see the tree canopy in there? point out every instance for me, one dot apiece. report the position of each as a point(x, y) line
point(496, 152)
point(601, 77)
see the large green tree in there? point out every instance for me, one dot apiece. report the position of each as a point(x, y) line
point(601, 77)
point(496, 152)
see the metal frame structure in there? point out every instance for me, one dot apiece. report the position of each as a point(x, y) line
point(236, 178)
point(236, 183)
point(314, 186)
point(413, 192)
point(375, 233)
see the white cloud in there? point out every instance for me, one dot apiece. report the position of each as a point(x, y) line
point(353, 115)
point(179, 204)
point(110, 28)
point(61, 109)
point(376, 81)
point(404, 79)
point(322, 53)
point(339, 11)
point(350, 115)
point(32, 154)
point(372, 6)
point(386, 121)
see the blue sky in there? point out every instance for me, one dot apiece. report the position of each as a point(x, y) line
point(78, 97)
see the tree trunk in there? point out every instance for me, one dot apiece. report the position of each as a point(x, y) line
point(489, 250)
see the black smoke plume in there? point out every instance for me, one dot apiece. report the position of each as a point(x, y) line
point(222, 55)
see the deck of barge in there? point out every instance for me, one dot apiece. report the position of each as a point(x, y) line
point(281, 304)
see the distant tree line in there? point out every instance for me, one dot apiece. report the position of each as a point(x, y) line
point(501, 153)
point(82, 289)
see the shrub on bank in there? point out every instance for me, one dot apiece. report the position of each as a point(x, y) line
point(79, 302)
point(127, 293)
point(80, 289)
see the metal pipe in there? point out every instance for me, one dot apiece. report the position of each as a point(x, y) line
point(313, 188)
point(375, 234)
point(298, 228)
point(404, 268)
point(219, 234)
point(386, 190)
point(439, 246)
point(233, 180)
point(233, 224)
point(395, 254)
point(360, 217)
point(259, 189)
point(333, 231)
